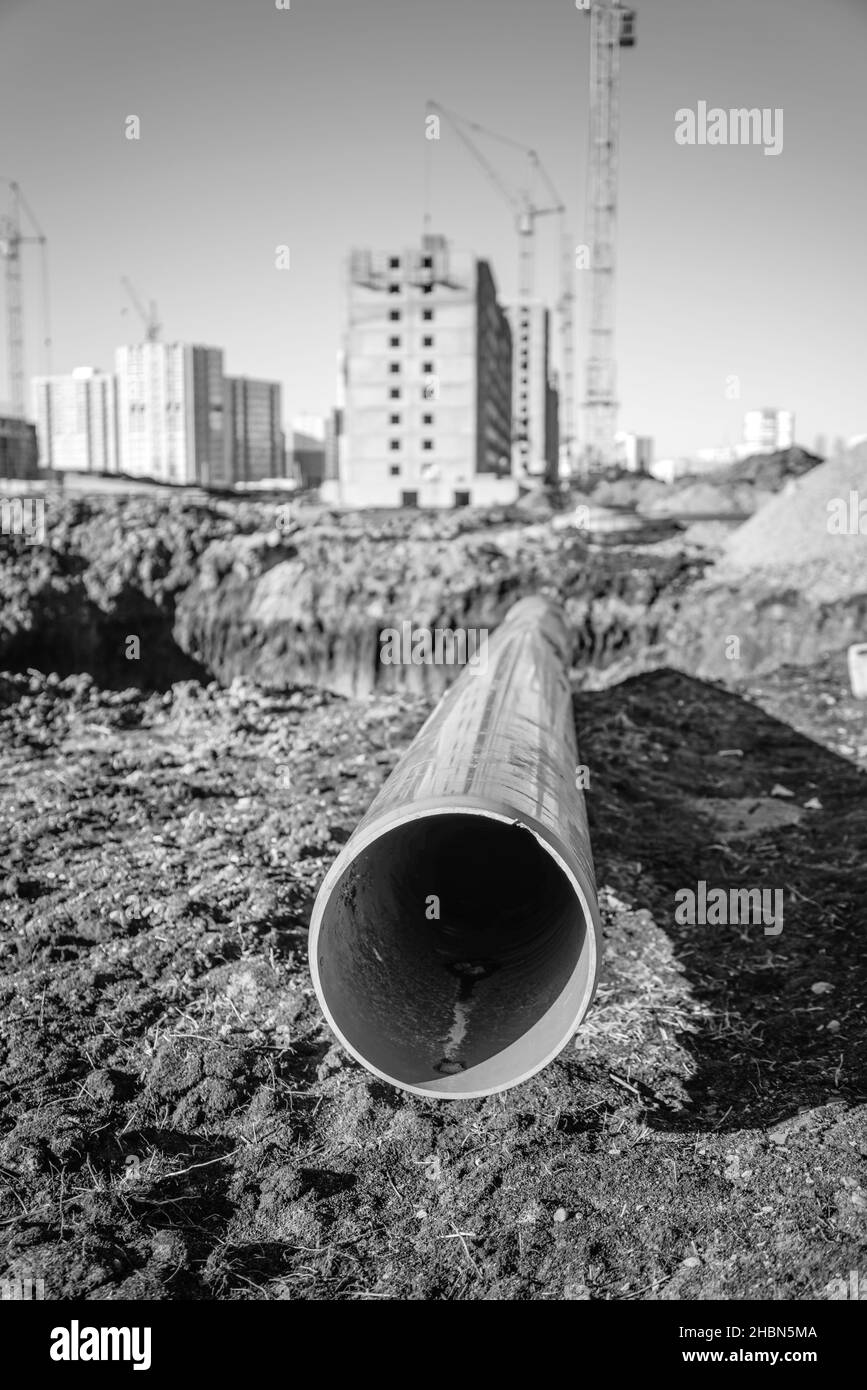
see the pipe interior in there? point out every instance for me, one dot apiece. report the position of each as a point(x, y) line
point(453, 954)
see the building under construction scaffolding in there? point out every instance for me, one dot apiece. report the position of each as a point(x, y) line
point(428, 381)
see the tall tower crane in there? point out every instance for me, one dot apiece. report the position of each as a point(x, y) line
point(526, 211)
point(612, 27)
point(11, 240)
point(149, 316)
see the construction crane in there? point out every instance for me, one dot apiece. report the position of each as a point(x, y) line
point(612, 27)
point(149, 316)
point(11, 240)
point(526, 211)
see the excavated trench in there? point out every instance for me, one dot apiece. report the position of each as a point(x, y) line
point(147, 598)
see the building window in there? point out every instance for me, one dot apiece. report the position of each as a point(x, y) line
point(394, 419)
point(394, 393)
point(394, 315)
point(427, 368)
point(394, 262)
point(394, 368)
point(427, 419)
point(393, 288)
point(427, 444)
point(427, 314)
point(427, 342)
point(462, 499)
point(409, 499)
point(394, 342)
point(427, 262)
point(394, 470)
point(394, 444)
point(427, 289)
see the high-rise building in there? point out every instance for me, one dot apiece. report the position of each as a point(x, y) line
point(634, 452)
point(427, 419)
point(535, 428)
point(767, 430)
point(254, 436)
point(18, 448)
point(170, 406)
point(309, 447)
point(76, 421)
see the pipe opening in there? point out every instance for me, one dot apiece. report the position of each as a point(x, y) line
point(453, 954)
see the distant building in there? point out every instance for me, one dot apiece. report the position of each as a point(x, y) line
point(170, 406)
point(535, 401)
point(309, 448)
point(18, 448)
point(333, 436)
point(552, 431)
point(76, 421)
point(634, 451)
point(669, 470)
point(254, 437)
point(428, 413)
point(767, 430)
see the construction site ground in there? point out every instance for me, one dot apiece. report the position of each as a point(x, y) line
point(175, 1121)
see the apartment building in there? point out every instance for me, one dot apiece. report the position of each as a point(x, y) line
point(255, 447)
point(18, 448)
point(76, 421)
point(768, 429)
point(535, 400)
point(427, 381)
point(171, 413)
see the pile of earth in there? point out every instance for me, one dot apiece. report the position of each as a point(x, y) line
point(792, 583)
point(736, 490)
point(768, 472)
point(810, 521)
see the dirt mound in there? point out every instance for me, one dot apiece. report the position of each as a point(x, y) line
point(769, 472)
point(813, 519)
point(702, 498)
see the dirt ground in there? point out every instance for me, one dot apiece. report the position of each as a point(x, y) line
point(175, 1122)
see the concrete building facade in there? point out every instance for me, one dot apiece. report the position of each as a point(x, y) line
point(634, 451)
point(19, 450)
point(535, 401)
point(255, 448)
point(76, 421)
point(768, 429)
point(171, 408)
point(428, 366)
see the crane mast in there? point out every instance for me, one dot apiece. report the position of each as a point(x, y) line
point(611, 28)
point(11, 241)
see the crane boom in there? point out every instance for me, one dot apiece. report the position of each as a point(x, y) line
point(526, 211)
point(149, 317)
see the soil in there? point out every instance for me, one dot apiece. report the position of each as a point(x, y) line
point(176, 1123)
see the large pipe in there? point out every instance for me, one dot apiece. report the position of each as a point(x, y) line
point(454, 941)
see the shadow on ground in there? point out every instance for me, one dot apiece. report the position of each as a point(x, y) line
point(688, 781)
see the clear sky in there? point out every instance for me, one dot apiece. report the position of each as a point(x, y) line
point(305, 127)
